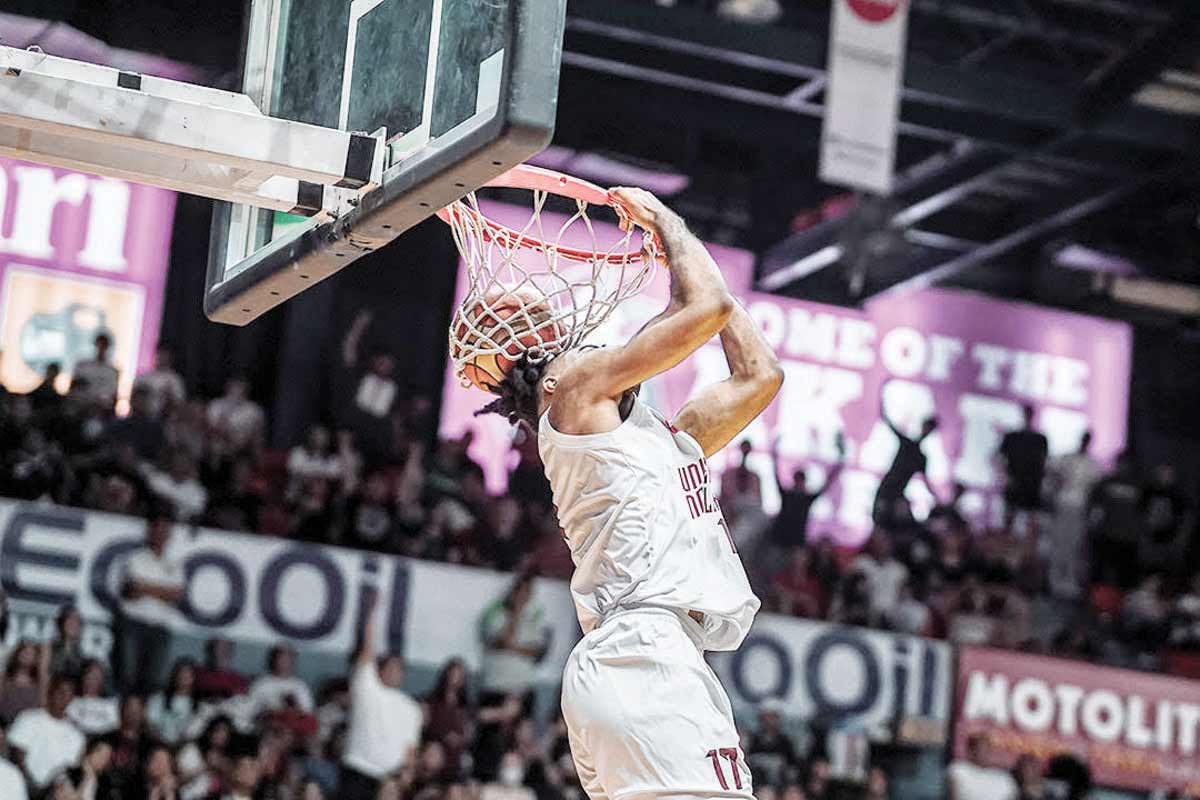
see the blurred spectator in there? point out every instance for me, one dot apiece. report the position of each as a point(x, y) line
point(158, 778)
point(25, 678)
point(237, 422)
point(741, 489)
point(152, 587)
point(98, 375)
point(141, 429)
point(178, 487)
point(314, 459)
point(798, 589)
point(975, 777)
point(1027, 773)
point(89, 780)
point(385, 723)
point(163, 386)
point(92, 711)
point(217, 679)
point(883, 572)
point(170, 712)
point(370, 517)
point(909, 614)
point(509, 781)
point(515, 638)
point(1144, 613)
point(42, 741)
point(1072, 477)
point(66, 654)
point(447, 713)
point(374, 392)
point(45, 397)
point(130, 744)
point(909, 461)
point(280, 688)
point(245, 773)
point(1114, 517)
point(1024, 453)
point(771, 755)
point(1167, 522)
point(790, 528)
point(12, 780)
point(527, 482)
point(204, 762)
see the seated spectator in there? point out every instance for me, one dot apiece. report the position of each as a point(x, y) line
point(92, 711)
point(883, 572)
point(66, 655)
point(771, 755)
point(178, 486)
point(130, 744)
point(314, 459)
point(909, 615)
point(158, 780)
point(1144, 612)
point(162, 385)
point(798, 589)
point(515, 638)
point(90, 780)
point(186, 431)
point(204, 762)
point(141, 429)
point(510, 780)
point(370, 517)
point(504, 536)
point(24, 681)
point(280, 688)
point(237, 504)
point(1027, 774)
point(42, 741)
point(217, 679)
point(447, 714)
point(237, 423)
point(12, 780)
point(385, 723)
point(970, 622)
point(170, 712)
point(975, 777)
point(245, 772)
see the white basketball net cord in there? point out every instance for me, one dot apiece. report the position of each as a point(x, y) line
point(525, 285)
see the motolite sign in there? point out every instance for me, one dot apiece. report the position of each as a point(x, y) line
point(1135, 730)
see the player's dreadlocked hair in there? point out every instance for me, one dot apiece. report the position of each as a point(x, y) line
point(519, 392)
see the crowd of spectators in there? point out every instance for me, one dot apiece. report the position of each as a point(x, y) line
point(1110, 555)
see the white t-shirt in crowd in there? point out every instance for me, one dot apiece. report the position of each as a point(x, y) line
point(240, 420)
point(506, 670)
point(375, 395)
point(164, 385)
point(385, 724)
point(971, 782)
point(50, 744)
point(144, 566)
point(1078, 473)
point(883, 580)
point(171, 719)
point(303, 464)
point(12, 782)
point(269, 693)
point(95, 715)
point(188, 496)
point(101, 378)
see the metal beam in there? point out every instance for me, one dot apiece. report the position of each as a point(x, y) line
point(1014, 240)
point(972, 15)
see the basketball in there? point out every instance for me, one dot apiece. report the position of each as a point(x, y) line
point(501, 326)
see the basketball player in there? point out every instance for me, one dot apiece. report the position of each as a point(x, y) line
point(657, 577)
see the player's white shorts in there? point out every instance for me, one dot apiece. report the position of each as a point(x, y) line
point(646, 715)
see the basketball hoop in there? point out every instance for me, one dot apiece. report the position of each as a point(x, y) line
point(540, 288)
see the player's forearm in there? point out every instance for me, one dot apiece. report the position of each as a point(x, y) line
point(749, 355)
point(695, 277)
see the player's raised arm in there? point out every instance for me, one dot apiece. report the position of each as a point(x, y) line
point(719, 412)
point(700, 306)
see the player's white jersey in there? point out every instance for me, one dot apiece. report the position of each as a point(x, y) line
point(644, 527)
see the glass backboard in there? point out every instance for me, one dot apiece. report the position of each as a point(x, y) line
point(459, 90)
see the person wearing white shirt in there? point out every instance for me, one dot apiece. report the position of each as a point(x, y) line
point(152, 587)
point(883, 573)
point(170, 713)
point(91, 711)
point(178, 487)
point(1072, 477)
point(237, 421)
point(385, 723)
point(42, 740)
point(313, 459)
point(97, 375)
point(973, 778)
point(164, 386)
point(280, 688)
point(12, 782)
point(515, 638)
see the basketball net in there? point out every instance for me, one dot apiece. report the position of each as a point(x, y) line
point(541, 290)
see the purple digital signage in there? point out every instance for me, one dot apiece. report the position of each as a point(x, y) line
point(79, 254)
point(970, 360)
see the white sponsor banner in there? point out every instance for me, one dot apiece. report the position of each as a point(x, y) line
point(862, 102)
point(243, 587)
point(886, 685)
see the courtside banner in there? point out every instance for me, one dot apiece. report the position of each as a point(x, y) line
point(260, 589)
point(970, 360)
point(1136, 730)
point(886, 686)
point(862, 101)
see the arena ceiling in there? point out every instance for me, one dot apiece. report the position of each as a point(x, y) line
point(1047, 148)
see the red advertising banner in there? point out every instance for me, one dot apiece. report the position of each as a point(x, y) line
point(1136, 730)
